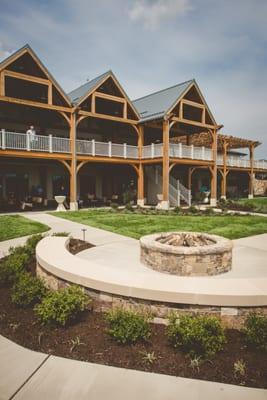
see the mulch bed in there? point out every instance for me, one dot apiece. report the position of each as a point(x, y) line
point(77, 245)
point(22, 327)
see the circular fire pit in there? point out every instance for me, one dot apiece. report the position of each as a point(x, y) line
point(187, 253)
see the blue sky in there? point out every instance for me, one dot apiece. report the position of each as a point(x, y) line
point(152, 44)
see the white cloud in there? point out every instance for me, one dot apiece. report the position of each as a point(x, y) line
point(152, 12)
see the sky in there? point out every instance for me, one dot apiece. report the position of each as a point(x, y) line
point(153, 44)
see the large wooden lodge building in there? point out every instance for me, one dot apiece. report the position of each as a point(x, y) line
point(96, 145)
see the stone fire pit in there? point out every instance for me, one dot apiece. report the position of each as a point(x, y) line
point(187, 253)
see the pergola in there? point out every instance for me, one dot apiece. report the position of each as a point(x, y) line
point(205, 139)
point(224, 144)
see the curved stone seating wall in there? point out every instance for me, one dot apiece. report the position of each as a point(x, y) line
point(212, 259)
point(229, 298)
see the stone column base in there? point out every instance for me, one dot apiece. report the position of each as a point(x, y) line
point(141, 202)
point(163, 205)
point(223, 197)
point(74, 206)
point(250, 196)
point(213, 202)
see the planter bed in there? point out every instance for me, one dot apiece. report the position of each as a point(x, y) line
point(21, 326)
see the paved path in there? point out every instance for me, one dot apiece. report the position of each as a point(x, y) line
point(249, 254)
point(28, 375)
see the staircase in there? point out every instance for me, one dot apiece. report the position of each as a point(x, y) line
point(177, 192)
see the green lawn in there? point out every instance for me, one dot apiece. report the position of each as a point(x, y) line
point(12, 226)
point(137, 225)
point(260, 203)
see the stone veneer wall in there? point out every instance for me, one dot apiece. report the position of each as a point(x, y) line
point(260, 187)
point(232, 317)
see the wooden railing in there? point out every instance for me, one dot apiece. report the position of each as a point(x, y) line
point(53, 144)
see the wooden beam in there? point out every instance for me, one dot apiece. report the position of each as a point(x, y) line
point(193, 104)
point(31, 103)
point(24, 77)
point(34, 154)
point(50, 94)
point(2, 84)
point(109, 117)
point(125, 109)
point(93, 103)
point(110, 97)
point(190, 122)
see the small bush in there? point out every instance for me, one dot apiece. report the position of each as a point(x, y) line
point(13, 265)
point(255, 330)
point(193, 210)
point(61, 234)
point(62, 306)
point(129, 207)
point(27, 290)
point(198, 335)
point(31, 243)
point(127, 326)
point(177, 210)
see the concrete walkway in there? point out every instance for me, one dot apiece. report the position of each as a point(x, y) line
point(28, 375)
point(249, 254)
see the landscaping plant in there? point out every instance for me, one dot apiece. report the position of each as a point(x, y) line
point(62, 306)
point(128, 326)
point(13, 265)
point(255, 330)
point(27, 290)
point(197, 335)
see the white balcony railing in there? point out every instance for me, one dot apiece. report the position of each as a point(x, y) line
point(52, 144)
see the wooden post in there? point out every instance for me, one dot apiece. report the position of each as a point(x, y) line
point(190, 172)
point(251, 172)
point(140, 186)
point(73, 169)
point(2, 84)
point(140, 140)
point(140, 182)
point(165, 165)
point(224, 174)
point(213, 186)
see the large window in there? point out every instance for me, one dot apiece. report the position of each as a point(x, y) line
point(22, 89)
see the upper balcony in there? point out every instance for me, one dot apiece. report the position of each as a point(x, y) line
point(55, 145)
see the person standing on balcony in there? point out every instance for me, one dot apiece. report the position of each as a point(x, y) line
point(32, 133)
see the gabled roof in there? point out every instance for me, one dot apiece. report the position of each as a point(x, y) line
point(27, 48)
point(77, 94)
point(155, 105)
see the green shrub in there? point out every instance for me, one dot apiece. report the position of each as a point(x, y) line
point(27, 290)
point(129, 207)
point(12, 266)
point(198, 335)
point(193, 210)
point(32, 242)
point(127, 326)
point(178, 210)
point(255, 330)
point(61, 234)
point(62, 306)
